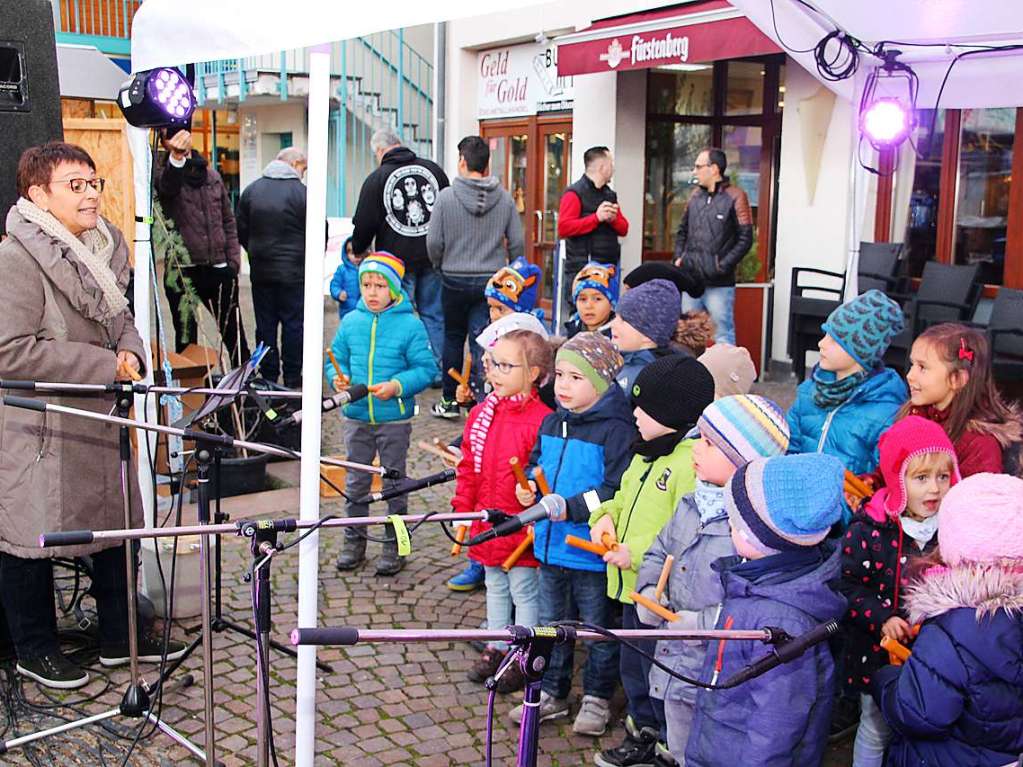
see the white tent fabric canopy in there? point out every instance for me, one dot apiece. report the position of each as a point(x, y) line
point(176, 32)
point(930, 25)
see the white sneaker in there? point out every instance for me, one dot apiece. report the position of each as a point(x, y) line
point(594, 714)
point(550, 708)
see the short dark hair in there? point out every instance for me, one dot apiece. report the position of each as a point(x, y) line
point(593, 154)
point(36, 165)
point(716, 157)
point(476, 153)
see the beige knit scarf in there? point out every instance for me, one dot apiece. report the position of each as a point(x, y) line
point(94, 249)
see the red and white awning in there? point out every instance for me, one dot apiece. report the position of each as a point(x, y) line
point(694, 33)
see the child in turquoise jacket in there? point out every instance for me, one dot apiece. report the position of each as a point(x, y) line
point(384, 345)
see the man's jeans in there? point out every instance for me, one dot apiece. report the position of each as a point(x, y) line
point(720, 304)
point(465, 313)
point(278, 307)
point(564, 594)
point(424, 289)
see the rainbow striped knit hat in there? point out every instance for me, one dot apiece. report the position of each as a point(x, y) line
point(745, 427)
point(388, 266)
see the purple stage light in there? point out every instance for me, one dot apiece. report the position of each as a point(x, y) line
point(886, 123)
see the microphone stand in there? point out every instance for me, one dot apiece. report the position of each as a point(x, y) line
point(263, 545)
point(135, 699)
point(136, 702)
point(531, 649)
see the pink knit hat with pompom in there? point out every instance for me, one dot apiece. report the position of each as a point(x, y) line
point(981, 520)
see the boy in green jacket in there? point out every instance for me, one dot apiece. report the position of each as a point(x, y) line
point(668, 395)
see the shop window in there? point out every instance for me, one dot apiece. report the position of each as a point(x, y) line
point(735, 105)
point(922, 223)
point(982, 205)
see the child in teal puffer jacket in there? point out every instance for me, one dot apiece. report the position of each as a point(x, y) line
point(850, 399)
point(384, 345)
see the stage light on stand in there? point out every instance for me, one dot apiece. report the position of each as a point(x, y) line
point(886, 123)
point(157, 98)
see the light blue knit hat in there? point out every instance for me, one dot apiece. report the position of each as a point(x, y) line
point(787, 502)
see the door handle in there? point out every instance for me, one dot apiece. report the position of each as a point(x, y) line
point(538, 240)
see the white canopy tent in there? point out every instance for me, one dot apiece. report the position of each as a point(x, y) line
point(930, 34)
point(176, 32)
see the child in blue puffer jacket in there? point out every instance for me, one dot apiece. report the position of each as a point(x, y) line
point(583, 449)
point(384, 345)
point(344, 285)
point(851, 398)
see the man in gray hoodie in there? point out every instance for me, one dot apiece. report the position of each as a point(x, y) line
point(474, 231)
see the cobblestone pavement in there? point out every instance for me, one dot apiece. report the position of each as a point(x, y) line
point(382, 704)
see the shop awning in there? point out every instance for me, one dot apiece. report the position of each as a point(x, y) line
point(688, 34)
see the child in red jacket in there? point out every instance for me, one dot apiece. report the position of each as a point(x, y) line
point(502, 426)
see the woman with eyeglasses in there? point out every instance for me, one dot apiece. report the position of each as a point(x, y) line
point(65, 316)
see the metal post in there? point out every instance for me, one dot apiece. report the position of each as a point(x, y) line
point(401, 83)
point(284, 76)
point(241, 80)
point(342, 143)
point(202, 459)
point(440, 74)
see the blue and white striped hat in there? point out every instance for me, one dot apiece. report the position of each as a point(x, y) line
point(745, 427)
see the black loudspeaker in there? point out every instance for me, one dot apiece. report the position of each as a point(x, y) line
point(29, 89)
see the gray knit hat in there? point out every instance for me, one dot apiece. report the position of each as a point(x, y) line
point(653, 309)
point(595, 356)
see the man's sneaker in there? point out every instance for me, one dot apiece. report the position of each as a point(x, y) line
point(594, 714)
point(550, 708)
point(150, 651)
point(470, 579)
point(486, 665)
point(54, 670)
point(637, 750)
point(446, 409)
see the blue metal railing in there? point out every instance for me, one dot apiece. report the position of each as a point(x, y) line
point(381, 82)
point(106, 24)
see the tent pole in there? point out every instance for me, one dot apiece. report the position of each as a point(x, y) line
point(312, 391)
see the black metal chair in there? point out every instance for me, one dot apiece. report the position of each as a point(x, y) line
point(810, 304)
point(1005, 332)
point(947, 293)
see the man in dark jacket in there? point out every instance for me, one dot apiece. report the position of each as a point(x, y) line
point(193, 195)
point(393, 214)
point(589, 218)
point(271, 228)
point(715, 233)
point(475, 230)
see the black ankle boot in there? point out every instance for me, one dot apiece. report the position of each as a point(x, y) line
point(353, 553)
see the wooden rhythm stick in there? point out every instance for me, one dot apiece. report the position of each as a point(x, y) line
point(586, 545)
point(461, 378)
point(520, 475)
point(856, 486)
point(466, 369)
point(514, 557)
point(609, 541)
point(456, 548)
point(541, 481)
point(898, 653)
point(337, 368)
point(127, 373)
point(653, 607)
point(440, 452)
point(663, 580)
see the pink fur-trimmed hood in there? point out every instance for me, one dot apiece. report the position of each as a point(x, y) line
point(985, 588)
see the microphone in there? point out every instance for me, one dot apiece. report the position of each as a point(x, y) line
point(550, 507)
point(783, 653)
point(410, 486)
point(342, 398)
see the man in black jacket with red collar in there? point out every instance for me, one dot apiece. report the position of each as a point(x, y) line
point(715, 233)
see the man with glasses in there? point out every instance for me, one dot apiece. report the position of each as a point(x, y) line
point(714, 234)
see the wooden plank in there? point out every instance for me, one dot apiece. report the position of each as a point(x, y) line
point(105, 141)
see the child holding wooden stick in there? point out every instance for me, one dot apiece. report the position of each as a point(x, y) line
point(733, 431)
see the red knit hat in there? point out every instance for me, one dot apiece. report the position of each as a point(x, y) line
point(906, 439)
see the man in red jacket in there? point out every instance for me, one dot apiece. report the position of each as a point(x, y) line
point(589, 218)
